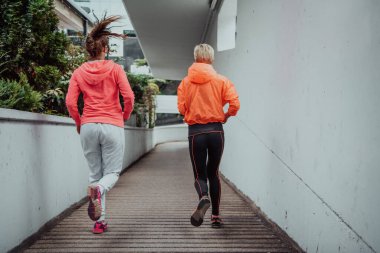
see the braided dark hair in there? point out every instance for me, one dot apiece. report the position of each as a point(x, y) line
point(98, 38)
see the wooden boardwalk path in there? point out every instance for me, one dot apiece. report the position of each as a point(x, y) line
point(149, 211)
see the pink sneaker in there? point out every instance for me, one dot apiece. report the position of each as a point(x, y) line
point(94, 206)
point(99, 227)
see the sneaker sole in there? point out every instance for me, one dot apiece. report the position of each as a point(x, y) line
point(99, 232)
point(198, 215)
point(216, 226)
point(94, 207)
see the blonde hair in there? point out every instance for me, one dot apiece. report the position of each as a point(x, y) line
point(204, 53)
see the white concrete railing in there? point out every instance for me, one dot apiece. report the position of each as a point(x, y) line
point(43, 170)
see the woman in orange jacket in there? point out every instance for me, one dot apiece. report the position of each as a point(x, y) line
point(202, 95)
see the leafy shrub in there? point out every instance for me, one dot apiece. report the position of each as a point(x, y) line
point(29, 37)
point(19, 95)
point(54, 102)
point(150, 91)
point(31, 44)
point(138, 82)
point(75, 56)
point(46, 77)
point(140, 62)
point(145, 87)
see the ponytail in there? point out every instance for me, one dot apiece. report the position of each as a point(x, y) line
point(98, 38)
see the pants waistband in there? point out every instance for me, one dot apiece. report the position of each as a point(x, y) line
point(205, 128)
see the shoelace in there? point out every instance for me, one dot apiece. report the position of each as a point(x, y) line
point(216, 219)
point(101, 224)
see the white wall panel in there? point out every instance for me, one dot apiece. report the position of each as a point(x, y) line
point(305, 145)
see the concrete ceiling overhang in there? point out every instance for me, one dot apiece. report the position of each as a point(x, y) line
point(168, 30)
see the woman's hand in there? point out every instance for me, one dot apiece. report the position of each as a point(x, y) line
point(226, 116)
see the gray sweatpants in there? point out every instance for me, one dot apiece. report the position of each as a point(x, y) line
point(103, 147)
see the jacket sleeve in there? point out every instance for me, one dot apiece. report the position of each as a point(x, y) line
point(126, 93)
point(72, 100)
point(231, 97)
point(181, 100)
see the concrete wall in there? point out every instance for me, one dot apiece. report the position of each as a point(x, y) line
point(166, 104)
point(305, 146)
point(138, 141)
point(68, 19)
point(170, 133)
point(43, 170)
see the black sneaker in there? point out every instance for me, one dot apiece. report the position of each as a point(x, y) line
point(197, 217)
point(216, 221)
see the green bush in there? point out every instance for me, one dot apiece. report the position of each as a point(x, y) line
point(46, 77)
point(36, 56)
point(75, 56)
point(138, 82)
point(54, 102)
point(19, 95)
point(29, 37)
point(140, 62)
point(145, 88)
point(150, 91)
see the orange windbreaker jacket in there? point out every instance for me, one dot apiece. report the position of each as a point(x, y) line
point(203, 93)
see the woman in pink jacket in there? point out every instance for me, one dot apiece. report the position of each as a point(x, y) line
point(101, 126)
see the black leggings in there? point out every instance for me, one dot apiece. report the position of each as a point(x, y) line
point(206, 151)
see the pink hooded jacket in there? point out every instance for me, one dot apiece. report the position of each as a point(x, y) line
point(100, 82)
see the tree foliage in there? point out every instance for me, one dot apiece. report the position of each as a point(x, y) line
point(145, 89)
point(140, 62)
point(19, 95)
point(29, 39)
point(36, 60)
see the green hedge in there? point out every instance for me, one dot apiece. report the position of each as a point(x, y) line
point(19, 95)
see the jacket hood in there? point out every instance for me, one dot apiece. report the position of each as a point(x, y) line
point(94, 72)
point(201, 73)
